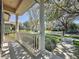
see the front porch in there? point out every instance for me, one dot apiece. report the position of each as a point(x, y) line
point(31, 44)
point(34, 45)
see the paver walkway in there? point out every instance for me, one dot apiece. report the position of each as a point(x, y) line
point(65, 49)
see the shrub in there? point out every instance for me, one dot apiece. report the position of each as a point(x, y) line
point(48, 45)
point(51, 42)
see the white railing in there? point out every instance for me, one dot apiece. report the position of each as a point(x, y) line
point(29, 41)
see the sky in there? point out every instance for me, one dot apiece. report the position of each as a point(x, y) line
point(76, 20)
point(22, 18)
point(25, 17)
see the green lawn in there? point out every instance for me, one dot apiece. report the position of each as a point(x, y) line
point(69, 36)
point(52, 39)
point(76, 43)
point(57, 38)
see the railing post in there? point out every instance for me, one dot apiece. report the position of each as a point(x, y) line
point(17, 26)
point(42, 27)
point(2, 26)
point(1, 21)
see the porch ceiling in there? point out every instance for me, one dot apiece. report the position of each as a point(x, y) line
point(6, 16)
point(17, 6)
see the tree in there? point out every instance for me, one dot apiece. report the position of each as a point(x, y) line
point(34, 17)
point(26, 24)
point(69, 6)
point(73, 26)
point(63, 11)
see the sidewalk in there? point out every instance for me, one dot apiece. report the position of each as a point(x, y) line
point(65, 50)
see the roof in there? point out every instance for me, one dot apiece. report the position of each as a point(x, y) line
point(17, 6)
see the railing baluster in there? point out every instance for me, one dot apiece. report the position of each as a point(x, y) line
point(30, 41)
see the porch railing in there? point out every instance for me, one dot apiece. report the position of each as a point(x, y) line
point(30, 41)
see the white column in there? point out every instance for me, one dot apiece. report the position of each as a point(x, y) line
point(17, 24)
point(42, 27)
point(17, 27)
point(2, 26)
point(2, 30)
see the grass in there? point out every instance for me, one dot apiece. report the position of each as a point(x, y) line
point(54, 38)
point(70, 36)
point(56, 35)
point(50, 38)
point(11, 36)
point(76, 43)
point(25, 31)
point(57, 38)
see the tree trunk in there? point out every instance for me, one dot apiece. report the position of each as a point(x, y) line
point(63, 33)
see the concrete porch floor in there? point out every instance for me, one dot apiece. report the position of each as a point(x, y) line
point(12, 50)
